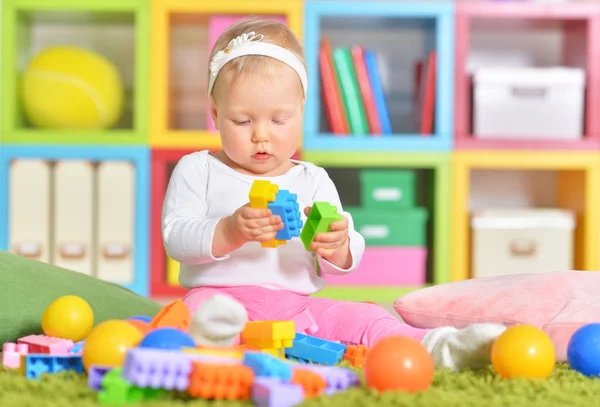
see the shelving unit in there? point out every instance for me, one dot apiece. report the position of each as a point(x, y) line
point(153, 41)
point(83, 208)
point(27, 26)
point(578, 23)
point(378, 26)
point(438, 232)
point(577, 188)
point(181, 27)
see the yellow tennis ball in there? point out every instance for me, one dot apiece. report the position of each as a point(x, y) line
point(66, 87)
point(68, 317)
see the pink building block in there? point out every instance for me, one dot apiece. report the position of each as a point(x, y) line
point(11, 354)
point(581, 47)
point(217, 25)
point(385, 266)
point(47, 345)
point(305, 323)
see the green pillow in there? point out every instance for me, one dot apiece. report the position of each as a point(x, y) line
point(27, 287)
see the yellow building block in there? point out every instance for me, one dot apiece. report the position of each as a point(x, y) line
point(232, 353)
point(261, 193)
point(169, 13)
point(272, 330)
point(578, 189)
point(173, 268)
point(270, 343)
point(277, 352)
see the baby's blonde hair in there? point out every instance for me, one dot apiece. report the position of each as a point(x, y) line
point(272, 31)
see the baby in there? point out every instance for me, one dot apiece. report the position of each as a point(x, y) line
point(257, 88)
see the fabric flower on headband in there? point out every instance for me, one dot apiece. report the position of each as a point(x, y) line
point(234, 43)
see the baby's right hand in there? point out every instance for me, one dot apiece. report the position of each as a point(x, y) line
point(253, 225)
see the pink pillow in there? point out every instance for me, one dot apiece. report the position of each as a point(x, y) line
point(558, 302)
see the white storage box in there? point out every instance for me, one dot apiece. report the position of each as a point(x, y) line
point(517, 241)
point(529, 103)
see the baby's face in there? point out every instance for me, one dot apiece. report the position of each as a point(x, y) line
point(259, 118)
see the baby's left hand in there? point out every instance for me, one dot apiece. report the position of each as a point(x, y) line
point(334, 246)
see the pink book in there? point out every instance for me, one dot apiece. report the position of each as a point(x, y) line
point(216, 25)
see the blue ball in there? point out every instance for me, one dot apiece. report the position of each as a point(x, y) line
point(583, 352)
point(167, 339)
point(143, 318)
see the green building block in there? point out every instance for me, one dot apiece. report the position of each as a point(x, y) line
point(117, 391)
point(321, 215)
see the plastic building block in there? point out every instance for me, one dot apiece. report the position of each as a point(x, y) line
point(286, 207)
point(356, 354)
point(277, 352)
point(305, 323)
point(316, 350)
point(337, 378)
point(226, 352)
point(269, 334)
point(36, 365)
point(175, 315)
point(321, 215)
point(11, 354)
point(116, 390)
point(265, 365)
point(212, 381)
point(158, 368)
point(272, 392)
point(312, 383)
point(95, 376)
point(77, 348)
point(42, 344)
point(261, 193)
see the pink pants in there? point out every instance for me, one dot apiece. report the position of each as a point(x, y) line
point(344, 321)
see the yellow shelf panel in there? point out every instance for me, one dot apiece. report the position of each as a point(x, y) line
point(578, 188)
point(162, 11)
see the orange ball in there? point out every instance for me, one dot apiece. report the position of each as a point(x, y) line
point(399, 363)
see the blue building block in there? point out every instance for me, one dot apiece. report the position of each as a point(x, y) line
point(36, 365)
point(286, 207)
point(265, 365)
point(139, 157)
point(308, 348)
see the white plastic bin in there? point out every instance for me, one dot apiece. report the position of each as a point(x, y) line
point(529, 103)
point(517, 241)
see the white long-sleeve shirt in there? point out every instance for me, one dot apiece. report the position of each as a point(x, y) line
point(202, 190)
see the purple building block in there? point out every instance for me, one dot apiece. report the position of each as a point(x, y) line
point(156, 368)
point(337, 378)
point(95, 376)
point(272, 392)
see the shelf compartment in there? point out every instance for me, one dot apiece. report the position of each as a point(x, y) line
point(97, 25)
point(515, 31)
point(380, 27)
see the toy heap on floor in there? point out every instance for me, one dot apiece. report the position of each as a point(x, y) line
point(142, 358)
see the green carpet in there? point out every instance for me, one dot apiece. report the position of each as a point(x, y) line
point(564, 388)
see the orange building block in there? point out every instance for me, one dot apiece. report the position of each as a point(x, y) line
point(356, 354)
point(220, 382)
point(174, 315)
point(311, 382)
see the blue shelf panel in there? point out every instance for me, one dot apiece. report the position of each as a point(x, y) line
point(398, 142)
point(139, 156)
point(441, 16)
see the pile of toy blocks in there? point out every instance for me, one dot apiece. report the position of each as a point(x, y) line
point(274, 365)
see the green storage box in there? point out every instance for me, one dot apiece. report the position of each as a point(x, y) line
point(387, 189)
point(399, 227)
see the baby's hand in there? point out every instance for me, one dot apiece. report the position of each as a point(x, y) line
point(253, 225)
point(334, 246)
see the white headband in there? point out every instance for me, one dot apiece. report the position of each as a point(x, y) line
point(250, 44)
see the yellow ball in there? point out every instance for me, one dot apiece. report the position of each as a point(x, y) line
point(523, 351)
point(66, 87)
point(68, 317)
point(109, 342)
